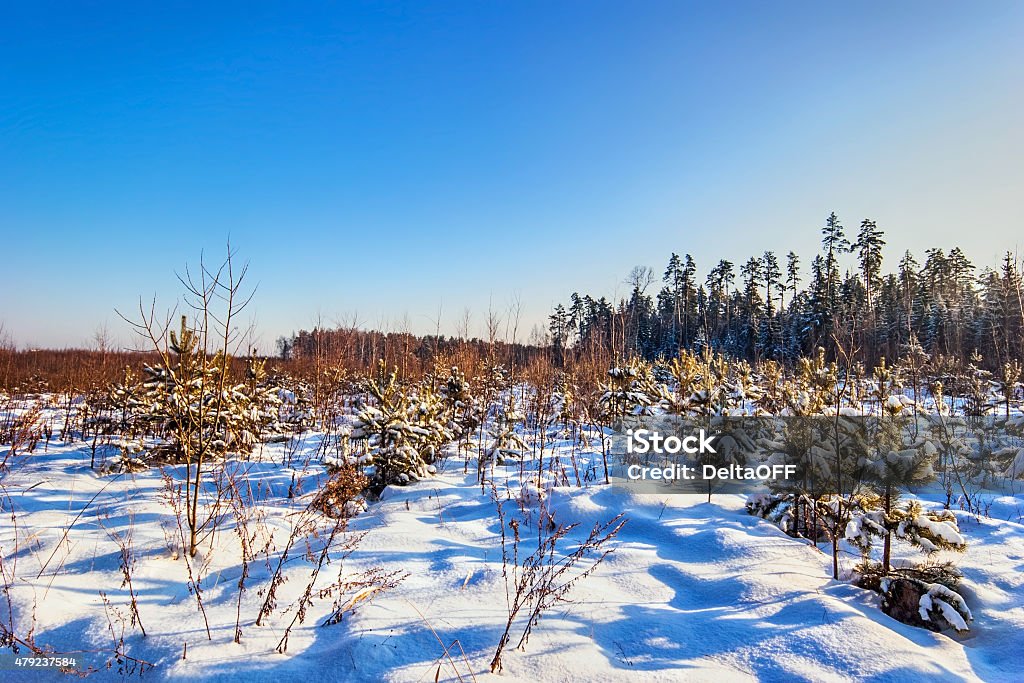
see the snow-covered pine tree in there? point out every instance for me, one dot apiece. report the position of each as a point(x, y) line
point(772, 397)
point(125, 398)
point(891, 466)
point(977, 387)
point(295, 406)
point(631, 390)
point(265, 398)
point(887, 473)
point(189, 395)
point(743, 391)
point(686, 371)
point(461, 407)
point(921, 595)
point(192, 403)
point(1009, 385)
point(404, 430)
point(715, 393)
point(563, 401)
point(505, 440)
point(734, 444)
point(799, 505)
point(804, 439)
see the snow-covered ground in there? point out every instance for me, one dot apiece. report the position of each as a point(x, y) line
point(692, 591)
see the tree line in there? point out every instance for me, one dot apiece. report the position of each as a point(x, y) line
point(771, 307)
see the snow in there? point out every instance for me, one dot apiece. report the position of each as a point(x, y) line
point(940, 597)
point(940, 529)
point(692, 591)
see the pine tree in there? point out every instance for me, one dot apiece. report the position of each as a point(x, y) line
point(673, 278)
point(558, 326)
point(772, 277)
point(404, 430)
point(577, 315)
point(125, 398)
point(460, 407)
point(772, 274)
point(505, 439)
point(689, 298)
point(908, 279)
point(890, 467)
point(752, 275)
point(834, 242)
point(941, 303)
point(192, 402)
point(189, 399)
point(869, 253)
point(792, 272)
point(631, 390)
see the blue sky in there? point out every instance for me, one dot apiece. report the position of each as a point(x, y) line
point(387, 161)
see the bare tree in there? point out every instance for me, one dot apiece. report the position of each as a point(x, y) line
point(640, 278)
point(215, 298)
point(493, 324)
point(463, 324)
point(515, 310)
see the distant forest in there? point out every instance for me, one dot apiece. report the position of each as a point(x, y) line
point(767, 308)
point(774, 308)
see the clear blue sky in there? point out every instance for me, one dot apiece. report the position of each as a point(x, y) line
point(391, 160)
